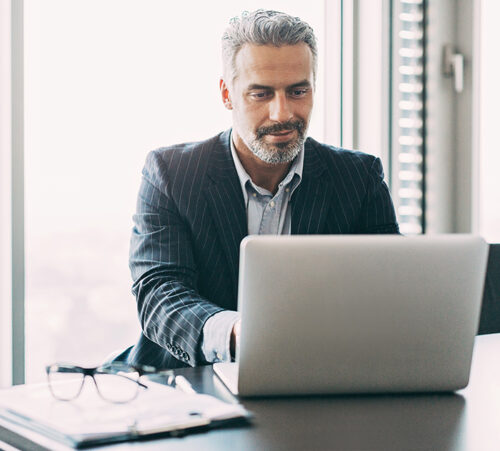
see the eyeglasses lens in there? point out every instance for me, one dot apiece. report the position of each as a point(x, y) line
point(117, 387)
point(65, 382)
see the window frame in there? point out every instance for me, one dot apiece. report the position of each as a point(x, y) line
point(467, 119)
point(12, 356)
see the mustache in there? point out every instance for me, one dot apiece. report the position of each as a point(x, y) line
point(298, 125)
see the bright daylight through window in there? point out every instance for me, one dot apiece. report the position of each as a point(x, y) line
point(489, 99)
point(96, 103)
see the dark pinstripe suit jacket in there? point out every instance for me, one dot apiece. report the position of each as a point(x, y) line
point(191, 218)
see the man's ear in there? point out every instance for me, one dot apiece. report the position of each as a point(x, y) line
point(224, 90)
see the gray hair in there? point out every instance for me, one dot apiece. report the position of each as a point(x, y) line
point(263, 27)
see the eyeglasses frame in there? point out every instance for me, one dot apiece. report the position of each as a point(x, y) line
point(111, 368)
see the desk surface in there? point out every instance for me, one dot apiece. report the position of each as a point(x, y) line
point(467, 420)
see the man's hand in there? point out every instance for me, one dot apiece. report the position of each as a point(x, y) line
point(235, 338)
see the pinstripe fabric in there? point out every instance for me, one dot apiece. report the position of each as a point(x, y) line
point(190, 219)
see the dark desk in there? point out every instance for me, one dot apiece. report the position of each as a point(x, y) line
point(468, 420)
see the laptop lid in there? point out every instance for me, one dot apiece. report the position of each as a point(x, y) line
point(358, 314)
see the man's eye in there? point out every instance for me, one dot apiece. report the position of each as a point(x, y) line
point(299, 92)
point(260, 95)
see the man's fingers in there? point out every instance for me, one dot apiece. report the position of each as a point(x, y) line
point(237, 328)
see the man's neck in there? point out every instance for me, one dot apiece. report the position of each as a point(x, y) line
point(265, 175)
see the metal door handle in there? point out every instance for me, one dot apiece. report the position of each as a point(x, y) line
point(453, 66)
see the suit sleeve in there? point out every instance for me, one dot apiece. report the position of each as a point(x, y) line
point(171, 311)
point(377, 214)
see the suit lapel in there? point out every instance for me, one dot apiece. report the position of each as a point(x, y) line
point(226, 203)
point(310, 200)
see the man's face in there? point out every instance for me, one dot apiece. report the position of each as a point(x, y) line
point(271, 99)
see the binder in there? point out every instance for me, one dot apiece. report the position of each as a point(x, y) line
point(88, 420)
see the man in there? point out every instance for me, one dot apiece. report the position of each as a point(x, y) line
point(198, 201)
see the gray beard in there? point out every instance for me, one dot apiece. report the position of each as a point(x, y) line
point(277, 153)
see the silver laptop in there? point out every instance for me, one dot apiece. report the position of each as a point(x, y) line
point(356, 314)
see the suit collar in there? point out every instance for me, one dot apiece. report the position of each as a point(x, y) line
point(313, 166)
point(226, 204)
point(309, 201)
point(221, 163)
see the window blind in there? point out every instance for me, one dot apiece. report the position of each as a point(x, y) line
point(410, 116)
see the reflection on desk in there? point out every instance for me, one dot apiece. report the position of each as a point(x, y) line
point(467, 420)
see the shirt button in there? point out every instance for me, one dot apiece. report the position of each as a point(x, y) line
point(254, 194)
point(287, 190)
point(219, 357)
point(272, 203)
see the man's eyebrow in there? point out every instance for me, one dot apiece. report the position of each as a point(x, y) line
point(257, 86)
point(300, 84)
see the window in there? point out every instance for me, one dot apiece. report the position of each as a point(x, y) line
point(489, 98)
point(105, 82)
point(5, 196)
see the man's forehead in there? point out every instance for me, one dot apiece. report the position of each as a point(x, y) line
point(268, 65)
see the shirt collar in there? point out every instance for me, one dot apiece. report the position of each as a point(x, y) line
point(295, 169)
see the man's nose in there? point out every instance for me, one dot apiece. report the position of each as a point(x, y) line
point(280, 108)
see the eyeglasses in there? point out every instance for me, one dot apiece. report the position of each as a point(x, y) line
point(115, 382)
